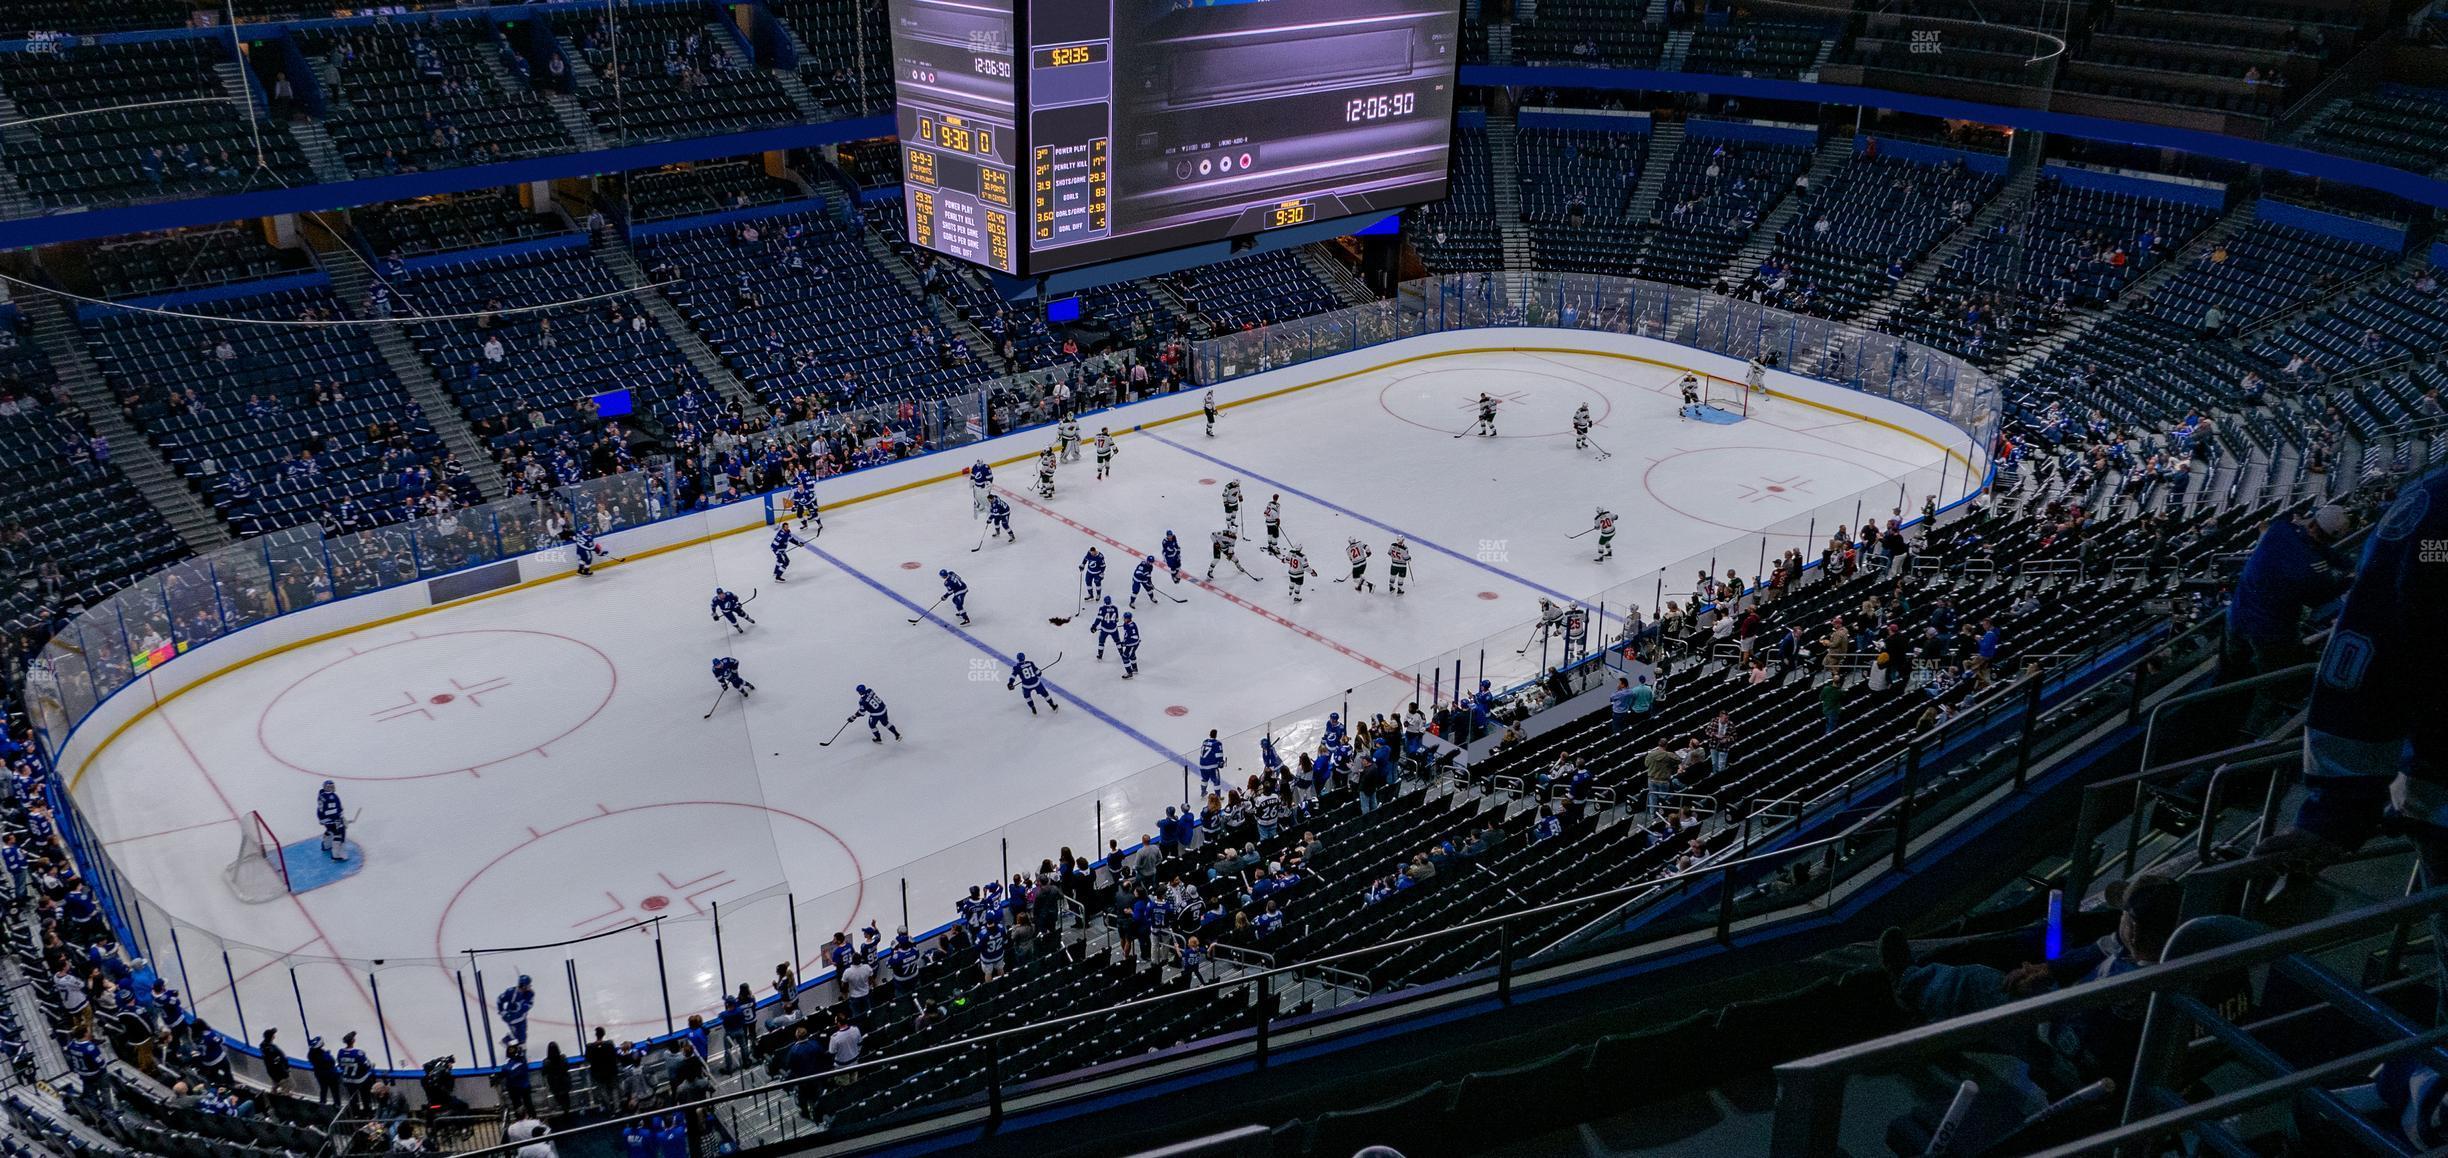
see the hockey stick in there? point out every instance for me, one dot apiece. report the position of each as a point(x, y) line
point(837, 732)
point(1603, 453)
point(1536, 634)
point(981, 543)
point(930, 607)
point(718, 699)
point(1578, 534)
point(1167, 594)
point(752, 594)
point(1082, 589)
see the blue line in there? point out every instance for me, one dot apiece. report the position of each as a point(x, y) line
point(1007, 661)
point(1432, 545)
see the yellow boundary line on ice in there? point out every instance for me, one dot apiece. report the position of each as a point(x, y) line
point(87, 763)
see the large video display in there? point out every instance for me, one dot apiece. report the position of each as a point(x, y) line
point(1155, 124)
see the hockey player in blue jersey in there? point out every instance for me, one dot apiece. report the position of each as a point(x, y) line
point(998, 519)
point(727, 608)
point(1092, 573)
point(514, 1004)
point(1268, 757)
point(957, 590)
point(879, 721)
point(981, 484)
point(1127, 644)
point(1211, 760)
point(1172, 555)
point(803, 501)
point(727, 675)
point(1143, 579)
point(783, 541)
point(582, 541)
point(334, 821)
point(1030, 679)
point(1107, 625)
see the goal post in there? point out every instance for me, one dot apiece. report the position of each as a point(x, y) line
point(1726, 395)
point(259, 872)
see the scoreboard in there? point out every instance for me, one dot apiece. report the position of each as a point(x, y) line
point(1040, 135)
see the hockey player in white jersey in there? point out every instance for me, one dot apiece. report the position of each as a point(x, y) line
point(1273, 515)
point(1581, 427)
point(1067, 437)
point(1045, 473)
point(1232, 505)
point(1486, 427)
point(1358, 553)
point(1220, 548)
point(1576, 632)
point(1604, 523)
point(1398, 565)
point(1105, 451)
point(1296, 569)
point(1208, 405)
point(1689, 385)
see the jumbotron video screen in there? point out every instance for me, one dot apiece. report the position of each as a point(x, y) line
point(1042, 135)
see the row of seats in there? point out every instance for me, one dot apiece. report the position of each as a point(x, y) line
point(2398, 125)
point(1590, 33)
point(235, 409)
point(1253, 290)
point(418, 95)
point(1715, 190)
point(457, 221)
point(1875, 217)
point(846, 64)
point(185, 259)
point(1460, 233)
point(114, 151)
point(1783, 49)
point(702, 187)
point(677, 75)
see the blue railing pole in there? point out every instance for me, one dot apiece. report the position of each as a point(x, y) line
point(236, 1002)
point(467, 1019)
point(722, 976)
point(304, 1026)
point(663, 978)
point(382, 1027)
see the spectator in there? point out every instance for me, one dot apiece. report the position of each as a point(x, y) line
point(1831, 704)
point(2293, 569)
point(275, 1061)
point(1661, 763)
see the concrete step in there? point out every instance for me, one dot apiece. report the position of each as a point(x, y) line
point(1664, 141)
point(616, 256)
point(1830, 156)
point(1347, 286)
point(322, 155)
point(55, 333)
point(352, 282)
point(1678, 46)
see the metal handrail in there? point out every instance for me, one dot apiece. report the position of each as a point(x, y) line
point(1810, 1092)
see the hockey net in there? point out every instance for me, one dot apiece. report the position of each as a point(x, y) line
point(259, 873)
point(1727, 395)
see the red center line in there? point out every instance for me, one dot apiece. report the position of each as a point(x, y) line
point(1267, 614)
point(300, 902)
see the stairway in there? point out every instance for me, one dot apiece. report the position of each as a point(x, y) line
point(1500, 43)
point(55, 333)
point(1347, 286)
point(2010, 202)
point(1200, 327)
point(15, 202)
point(802, 98)
point(1678, 46)
point(565, 108)
point(14, 132)
point(1665, 140)
point(1504, 181)
point(615, 255)
point(351, 281)
point(1827, 51)
point(1830, 156)
point(322, 155)
point(2237, 217)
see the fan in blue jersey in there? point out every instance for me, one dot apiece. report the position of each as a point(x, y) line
point(334, 820)
point(803, 500)
point(1127, 644)
point(1092, 573)
point(998, 519)
point(2376, 744)
point(1143, 580)
point(514, 1004)
point(727, 674)
point(1211, 760)
point(957, 590)
point(1334, 728)
point(1172, 555)
point(1107, 625)
point(1030, 679)
point(783, 541)
point(879, 721)
point(727, 608)
point(993, 943)
point(583, 542)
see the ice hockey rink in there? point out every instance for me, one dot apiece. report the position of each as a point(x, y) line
point(532, 767)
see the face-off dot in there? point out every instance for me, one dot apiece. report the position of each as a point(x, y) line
point(655, 904)
point(1177, 710)
point(440, 698)
point(912, 565)
point(1488, 595)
